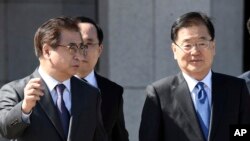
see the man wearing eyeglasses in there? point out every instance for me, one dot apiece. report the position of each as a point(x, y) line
point(197, 104)
point(246, 75)
point(111, 93)
point(50, 104)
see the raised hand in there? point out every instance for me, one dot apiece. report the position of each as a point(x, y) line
point(32, 93)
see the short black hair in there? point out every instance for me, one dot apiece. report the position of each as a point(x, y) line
point(192, 18)
point(82, 19)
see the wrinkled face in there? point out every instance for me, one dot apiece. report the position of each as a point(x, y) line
point(62, 62)
point(94, 50)
point(194, 51)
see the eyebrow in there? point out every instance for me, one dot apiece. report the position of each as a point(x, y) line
point(200, 38)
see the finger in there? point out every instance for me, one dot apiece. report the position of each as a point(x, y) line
point(32, 98)
point(33, 91)
point(36, 80)
point(35, 83)
point(36, 86)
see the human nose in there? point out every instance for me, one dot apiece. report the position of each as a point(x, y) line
point(78, 55)
point(195, 46)
point(194, 50)
point(85, 52)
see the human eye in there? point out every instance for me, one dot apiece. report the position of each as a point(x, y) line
point(90, 44)
point(72, 47)
point(187, 45)
point(82, 46)
point(202, 44)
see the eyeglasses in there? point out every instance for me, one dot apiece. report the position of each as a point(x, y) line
point(74, 48)
point(187, 46)
point(90, 45)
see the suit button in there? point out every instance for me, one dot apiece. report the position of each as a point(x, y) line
point(14, 122)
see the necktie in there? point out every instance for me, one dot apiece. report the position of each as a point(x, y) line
point(203, 109)
point(61, 108)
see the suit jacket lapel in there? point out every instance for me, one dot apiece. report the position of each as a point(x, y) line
point(219, 96)
point(185, 105)
point(102, 86)
point(77, 97)
point(99, 81)
point(49, 108)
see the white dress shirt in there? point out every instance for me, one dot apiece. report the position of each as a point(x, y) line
point(51, 83)
point(192, 83)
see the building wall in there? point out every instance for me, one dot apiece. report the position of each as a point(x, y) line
point(228, 19)
point(2, 45)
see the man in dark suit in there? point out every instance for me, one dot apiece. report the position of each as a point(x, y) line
point(197, 104)
point(50, 104)
point(111, 93)
point(246, 75)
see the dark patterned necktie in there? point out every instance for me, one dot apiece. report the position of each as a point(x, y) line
point(203, 108)
point(61, 108)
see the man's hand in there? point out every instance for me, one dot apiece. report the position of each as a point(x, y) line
point(32, 93)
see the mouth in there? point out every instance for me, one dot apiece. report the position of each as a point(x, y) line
point(75, 66)
point(195, 61)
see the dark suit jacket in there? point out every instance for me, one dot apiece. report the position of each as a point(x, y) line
point(85, 122)
point(246, 76)
point(169, 113)
point(112, 109)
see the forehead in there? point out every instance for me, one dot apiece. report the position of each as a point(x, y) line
point(69, 36)
point(193, 32)
point(87, 28)
point(88, 32)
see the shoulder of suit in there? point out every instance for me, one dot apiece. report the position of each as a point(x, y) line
point(17, 85)
point(228, 78)
point(76, 80)
point(165, 80)
point(108, 81)
point(20, 82)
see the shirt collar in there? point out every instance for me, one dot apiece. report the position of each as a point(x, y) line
point(91, 78)
point(192, 82)
point(51, 82)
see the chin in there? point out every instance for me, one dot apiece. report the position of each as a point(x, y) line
point(73, 71)
point(195, 70)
